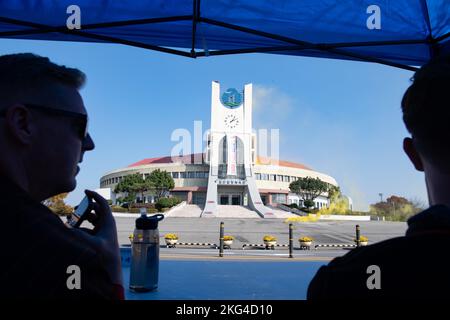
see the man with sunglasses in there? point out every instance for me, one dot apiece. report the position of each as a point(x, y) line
point(43, 137)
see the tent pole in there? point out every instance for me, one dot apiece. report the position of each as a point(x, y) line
point(306, 44)
point(195, 16)
point(96, 36)
point(85, 27)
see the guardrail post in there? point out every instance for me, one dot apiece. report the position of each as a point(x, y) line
point(221, 240)
point(291, 240)
point(358, 240)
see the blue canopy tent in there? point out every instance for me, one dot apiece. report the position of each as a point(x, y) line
point(399, 33)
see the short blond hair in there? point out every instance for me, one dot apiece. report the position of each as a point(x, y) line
point(21, 72)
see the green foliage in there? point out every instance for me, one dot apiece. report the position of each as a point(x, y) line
point(308, 189)
point(142, 186)
point(308, 203)
point(162, 182)
point(166, 203)
point(127, 199)
point(396, 208)
point(133, 184)
point(144, 205)
point(125, 185)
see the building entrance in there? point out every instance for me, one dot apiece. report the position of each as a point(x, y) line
point(230, 199)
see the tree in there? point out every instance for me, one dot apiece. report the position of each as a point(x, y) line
point(162, 182)
point(142, 186)
point(126, 185)
point(334, 193)
point(57, 204)
point(308, 189)
point(396, 208)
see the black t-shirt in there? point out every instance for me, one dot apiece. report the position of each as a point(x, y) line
point(415, 266)
point(37, 250)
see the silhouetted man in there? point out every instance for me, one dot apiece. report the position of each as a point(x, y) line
point(43, 137)
point(416, 265)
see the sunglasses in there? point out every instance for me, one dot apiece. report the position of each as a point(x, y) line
point(81, 120)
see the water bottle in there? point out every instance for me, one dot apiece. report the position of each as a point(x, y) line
point(145, 253)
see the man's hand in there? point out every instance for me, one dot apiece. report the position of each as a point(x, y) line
point(104, 236)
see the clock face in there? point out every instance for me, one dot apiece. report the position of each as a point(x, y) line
point(231, 121)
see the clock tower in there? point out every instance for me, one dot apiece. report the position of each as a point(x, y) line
point(231, 152)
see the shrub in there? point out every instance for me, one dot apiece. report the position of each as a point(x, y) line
point(152, 210)
point(118, 209)
point(305, 239)
point(175, 201)
point(228, 238)
point(293, 206)
point(308, 203)
point(144, 205)
point(163, 203)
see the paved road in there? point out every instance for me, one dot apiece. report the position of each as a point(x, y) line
point(253, 230)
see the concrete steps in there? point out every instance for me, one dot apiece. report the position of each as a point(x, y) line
point(228, 211)
point(187, 211)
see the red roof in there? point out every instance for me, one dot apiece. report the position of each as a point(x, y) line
point(186, 159)
point(190, 158)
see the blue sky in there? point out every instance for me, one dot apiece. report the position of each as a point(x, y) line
point(341, 118)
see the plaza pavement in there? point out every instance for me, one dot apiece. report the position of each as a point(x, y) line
point(203, 230)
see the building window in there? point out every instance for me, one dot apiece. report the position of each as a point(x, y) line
point(191, 175)
point(272, 177)
point(278, 198)
point(279, 177)
point(183, 175)
point(258, 176)
point(175, 175)
point(286, 178)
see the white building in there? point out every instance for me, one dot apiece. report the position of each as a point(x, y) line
point(230, 172)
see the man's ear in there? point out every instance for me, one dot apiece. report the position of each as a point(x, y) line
point(20, 124)
point(413, 155)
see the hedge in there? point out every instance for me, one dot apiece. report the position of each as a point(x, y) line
point(166, 203)
point(118, 209)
